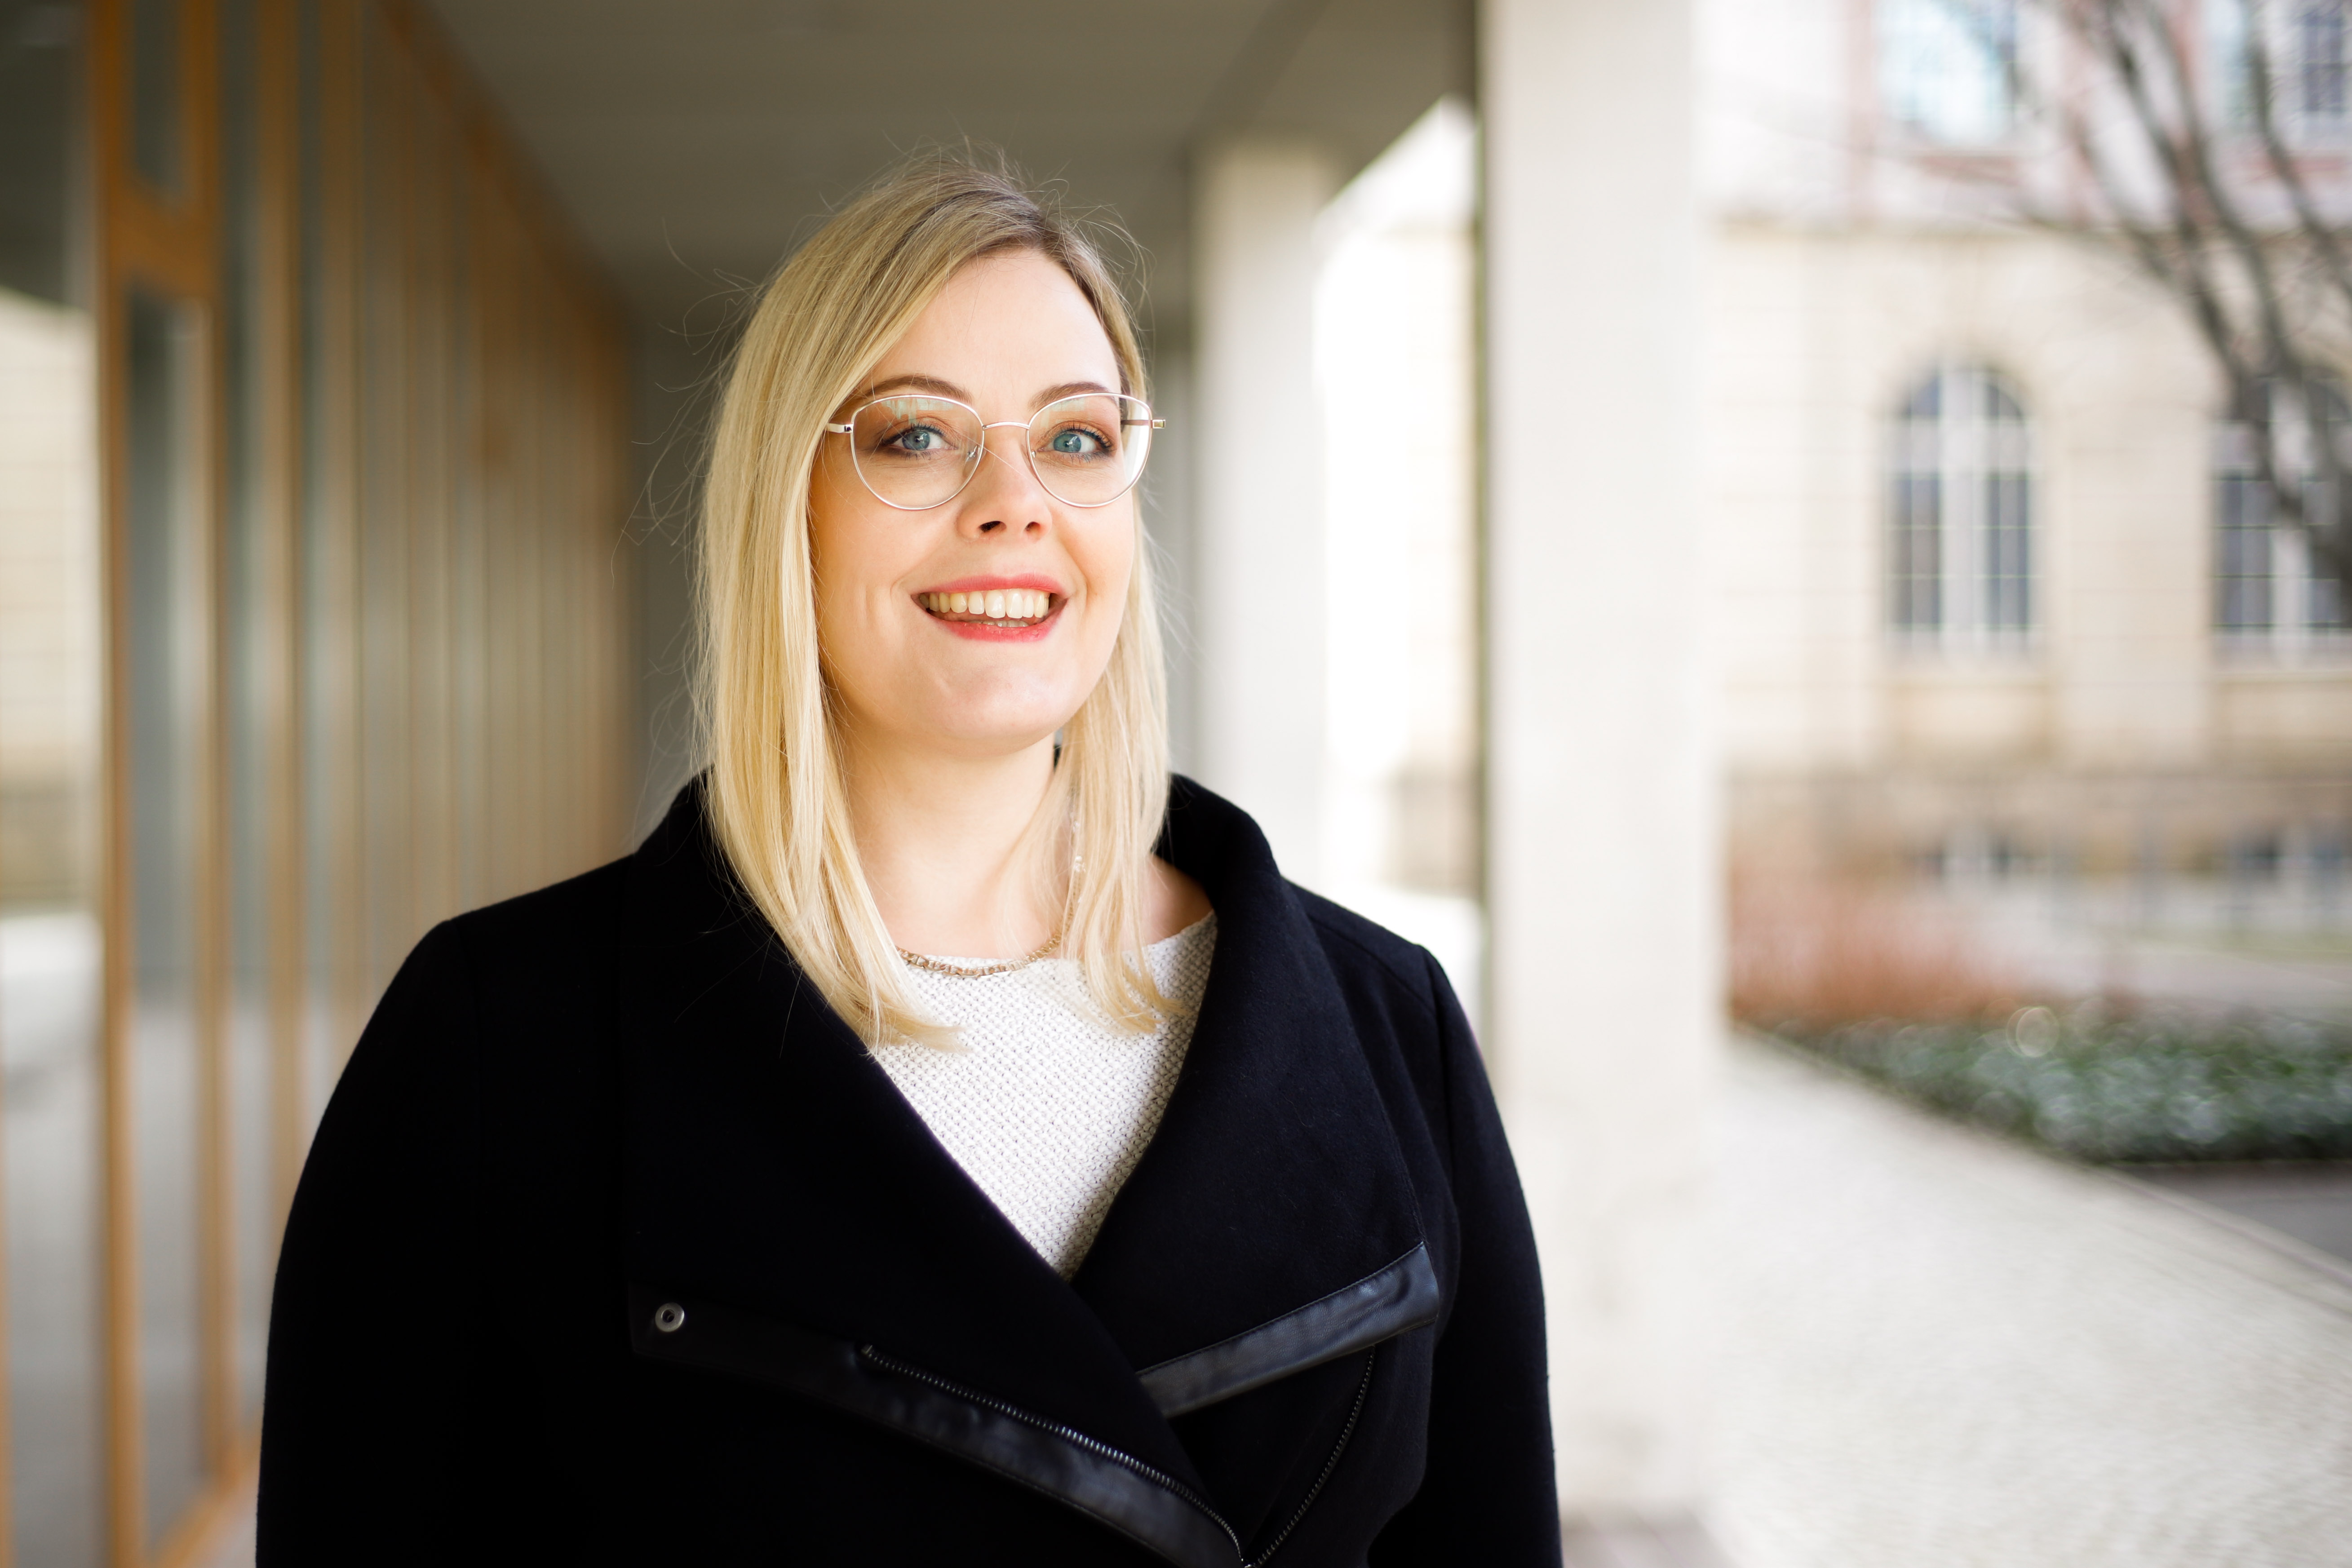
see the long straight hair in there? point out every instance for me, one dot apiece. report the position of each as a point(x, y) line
point(777, 798)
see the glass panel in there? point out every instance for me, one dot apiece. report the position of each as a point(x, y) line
point(1915, 541)
point(1945, 67)
point(2009, 553)
point(2324, 612)
point(325, 619)
point(1917, 553)
point(155, 91)
point(2320, 52)
point(251, 689)
point(51, 662)
point(393, 561)
point(165, 631)
point(2246, 554)
point(38, 72)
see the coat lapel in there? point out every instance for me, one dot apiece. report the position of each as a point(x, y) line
point(770, 1165)
point(1271, 1225)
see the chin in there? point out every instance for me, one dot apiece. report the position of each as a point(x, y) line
point(980, 724)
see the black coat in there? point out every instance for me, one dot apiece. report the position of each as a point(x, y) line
point(615, 1245)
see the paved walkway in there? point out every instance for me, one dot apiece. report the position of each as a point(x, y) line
point(1943, 1352)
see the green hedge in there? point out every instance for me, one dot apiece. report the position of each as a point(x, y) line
point(2147, 1085)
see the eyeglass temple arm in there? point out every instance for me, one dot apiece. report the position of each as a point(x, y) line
point(1155, 424)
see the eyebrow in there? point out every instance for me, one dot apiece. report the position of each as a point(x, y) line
point(917, 383)
point(1068, 389)
point(913, 383)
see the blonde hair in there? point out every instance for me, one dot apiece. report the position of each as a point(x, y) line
point(776, 796)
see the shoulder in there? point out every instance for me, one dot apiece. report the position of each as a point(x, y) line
point(493, 981)
point(1407, 1018)
point(1364, 954)
point(494, 1042)
point(562, 922)
point(529, 952)
point(1413, 1036)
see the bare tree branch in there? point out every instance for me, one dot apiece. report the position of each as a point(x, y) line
point(2201, 246)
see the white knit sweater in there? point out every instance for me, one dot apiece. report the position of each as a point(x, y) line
point(1045, 1106)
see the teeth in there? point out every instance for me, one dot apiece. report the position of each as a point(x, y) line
point(996, 604)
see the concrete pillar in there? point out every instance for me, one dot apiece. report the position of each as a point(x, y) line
point(1258, 503)
point(1604, 868)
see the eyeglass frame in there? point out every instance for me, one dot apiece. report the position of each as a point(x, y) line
point(849, 427)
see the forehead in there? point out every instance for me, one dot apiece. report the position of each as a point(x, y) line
point(1016, 317)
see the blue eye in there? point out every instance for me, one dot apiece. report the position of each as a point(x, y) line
point(918, 440)
point(1075, 444)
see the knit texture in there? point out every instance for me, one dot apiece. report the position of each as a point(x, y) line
point(1045, 1106)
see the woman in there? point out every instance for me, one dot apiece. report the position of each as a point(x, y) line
point(946, 1139)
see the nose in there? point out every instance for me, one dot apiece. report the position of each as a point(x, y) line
point(1005, 497)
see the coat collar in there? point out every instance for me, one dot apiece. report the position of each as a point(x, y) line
point(770, 1164)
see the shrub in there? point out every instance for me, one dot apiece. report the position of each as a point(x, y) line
point(2110, 1084)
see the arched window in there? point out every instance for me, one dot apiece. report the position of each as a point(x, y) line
point(1959, 545)
point(2267, 593)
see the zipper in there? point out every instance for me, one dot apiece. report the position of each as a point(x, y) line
point(1347, 1431)
point(1120, 1456)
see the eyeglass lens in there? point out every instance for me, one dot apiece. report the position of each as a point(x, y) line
point(916, 452)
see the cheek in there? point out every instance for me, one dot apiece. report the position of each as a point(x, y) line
point(855, 561)
point(1107, 562)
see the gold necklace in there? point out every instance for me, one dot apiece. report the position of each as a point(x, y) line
point(974, 972)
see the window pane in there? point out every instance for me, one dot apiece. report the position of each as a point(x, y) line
point(2270, 585)
point(326, 614)
point(1945, 67)
point(1917, 551)
point(50, 693)
point(167, 631)
point(2244, 555)
point(252, 689)
point(2320, 49)
point(2009, 553)
point(2326, 610)
point(38, 115)
point(155, 91)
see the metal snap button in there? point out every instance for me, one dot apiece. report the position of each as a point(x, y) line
point(669, 1317)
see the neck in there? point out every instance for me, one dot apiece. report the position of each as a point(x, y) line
point(940, 841)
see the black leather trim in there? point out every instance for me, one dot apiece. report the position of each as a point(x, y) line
point(1064, 1465)
point(1381, 1305)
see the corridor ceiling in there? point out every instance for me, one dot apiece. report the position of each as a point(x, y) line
point(692, 140)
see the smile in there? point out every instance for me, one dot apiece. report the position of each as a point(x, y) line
point(1008, 608)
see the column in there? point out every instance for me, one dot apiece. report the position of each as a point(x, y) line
point(1603, 864)
point(1258, 579)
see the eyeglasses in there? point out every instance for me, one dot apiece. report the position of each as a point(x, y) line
point(915, 453)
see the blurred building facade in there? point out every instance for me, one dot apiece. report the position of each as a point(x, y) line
point(1994, 593)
